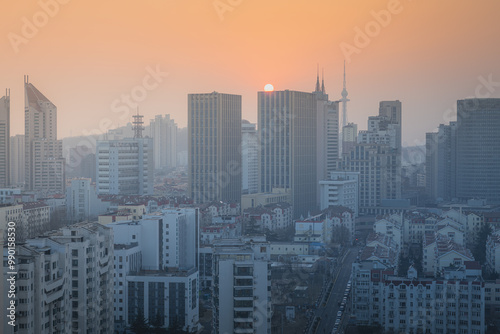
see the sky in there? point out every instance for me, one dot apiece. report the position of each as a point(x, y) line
point(97, 61)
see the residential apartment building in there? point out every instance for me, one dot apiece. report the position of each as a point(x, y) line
point(125, 166)
point(5, 140)
point(164, 133)
point(249, 158)
point(340, 189)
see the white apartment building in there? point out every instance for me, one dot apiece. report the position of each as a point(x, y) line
point(249, 158)
point(341, 189)
point(241, 287)
point(125, 167)
point(452, 304)
point(156, 263)
point(82, 202)
point(64, 282)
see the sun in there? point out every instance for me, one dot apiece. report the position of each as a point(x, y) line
point(268, 88)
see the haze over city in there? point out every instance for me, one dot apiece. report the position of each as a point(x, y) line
point(428, 55)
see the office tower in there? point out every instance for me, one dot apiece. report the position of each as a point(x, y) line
point(164, 133)
point(478, 149)
point(440, 162)
point(349, 137)
point(377, 157)
point(287, 135)
point(44, 164)
point(5, 139)
point(17, 160)
point(125, 166)
point(65, 281)
point(156, 269)
point(327, 133)
point(241, 287)
point(249, 158)
point(214, 146)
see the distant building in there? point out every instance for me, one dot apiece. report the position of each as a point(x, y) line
point(82, 202)
point(44, 163)
point(125, 166)
point(214, 143)
point(249, 158)
point(342, 188)
point(5, 140)
point(17, 160)
point(349, 136)
point(278, 195)
point(164, 133)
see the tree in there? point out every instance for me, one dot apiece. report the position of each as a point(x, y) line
point(140, 324)
point(479, 250)
point(252, 227)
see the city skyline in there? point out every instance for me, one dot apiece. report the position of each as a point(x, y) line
point(246, 55)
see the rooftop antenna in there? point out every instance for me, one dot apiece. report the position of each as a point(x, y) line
point(138, 125)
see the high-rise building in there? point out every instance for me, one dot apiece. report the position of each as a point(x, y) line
point(327, 134)
point(164, 133)
point(65, 282)
point(4, 139)
point(17, 160)
point(377, 157)
point(156, 263)
point(478, 147)
point(125, 166)
point(349, 137)
point(241, 287)
point(287, 136)
point(214, 146)
point(341, 189)
point(440, 162)
point(44, 161)
point(249, 158)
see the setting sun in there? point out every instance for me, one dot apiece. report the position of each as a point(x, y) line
point(268, 88)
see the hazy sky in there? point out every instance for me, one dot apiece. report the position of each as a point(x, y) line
point(86, 55)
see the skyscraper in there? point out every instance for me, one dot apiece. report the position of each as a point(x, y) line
point(17, 157)
point(440, 162)
point(214, 144)
point(4, 139)
point(327, 134)
point(164, 133)
point(44, 162)
point(249, 158)
point(287, 135)
point(478, 149)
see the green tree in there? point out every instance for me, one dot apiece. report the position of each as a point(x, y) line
point(479, 249)
point(140, 324)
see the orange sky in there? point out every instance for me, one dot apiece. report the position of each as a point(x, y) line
point(89, 53)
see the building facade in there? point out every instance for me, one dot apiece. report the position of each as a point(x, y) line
point(164, 133)
point(5, 140)
point(341, 188)
point(214, 146)
point(17, 160)
point(44, 163)
point(287, 135)
point(249, 158)
point(125, 166)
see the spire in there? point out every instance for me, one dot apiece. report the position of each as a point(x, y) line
point(317, 80)
point(323, 80)
point(344, 102)
point(137, 125)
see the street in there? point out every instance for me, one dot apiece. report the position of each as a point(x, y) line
point(328, 313)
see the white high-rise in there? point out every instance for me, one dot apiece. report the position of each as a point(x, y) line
point(44, 162)
point(164, 133)
point(125, 166)
point(4, 140)
point(17, 160)
point(249, 158)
